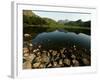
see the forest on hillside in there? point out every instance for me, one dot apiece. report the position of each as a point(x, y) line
point(37, 20)
point(34, 23)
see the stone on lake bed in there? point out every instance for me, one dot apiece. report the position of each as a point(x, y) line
point(38, 59)
point(27, 35)
point(54, 53)
point(54, 64)
point(49, 65)
point(27, 65)
point(26, 54)
point(35, 50)
point(38, 53)
point(45, 59)
point(40, 46)
point(73, 56)
point(36, 65)
point(67, 61)
point(42, 66)
point(60, 61)
point(25, 50)
point(30, 44)
point(50, 50)
point(62, 50)
point(32, 56)
point(75, 62)
point(85, 61)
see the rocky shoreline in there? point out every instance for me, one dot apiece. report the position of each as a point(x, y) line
point(37, 57)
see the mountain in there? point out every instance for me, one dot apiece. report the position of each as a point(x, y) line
point(63, 21)
point(28, 13)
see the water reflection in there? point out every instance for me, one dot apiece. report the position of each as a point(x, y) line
point(56, 49)
point(59, 39)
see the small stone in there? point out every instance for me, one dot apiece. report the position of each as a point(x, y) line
point(27, 35)
point(27, 65)
point(75, 62)
point(49, 65)
point(42, 66)
point(26, 54)
point(35, 50)
point(55, 64)
point(44, 52)
point(36, 65)
point(38, 59)
point(60, 61)
point(73, 56)
point(30, 44)
point(45, 59)
point(38, 53)
point(25, 50)
point(85, 61)
point(74, 47)
point(40, 46)
point(67, 61)
point(63, 56)
point(54, 53)
point(32, 56)
point(62, 50)
point(50, 51)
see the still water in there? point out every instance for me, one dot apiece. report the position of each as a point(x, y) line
point(59, 39)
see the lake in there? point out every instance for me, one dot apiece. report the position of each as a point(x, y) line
point(60, 39)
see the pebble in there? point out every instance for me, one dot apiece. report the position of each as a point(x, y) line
point(67, 61)
point(73, 56)
point(75, 62)
point(39, 58)
point(85, 61)
point(49, 65)
point(25, 50)
point(27, 65)
point(45, 59)
point(36, 65)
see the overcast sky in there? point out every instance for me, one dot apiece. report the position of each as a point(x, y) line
point(62, 16)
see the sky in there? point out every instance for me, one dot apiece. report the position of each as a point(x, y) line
point(64, 15)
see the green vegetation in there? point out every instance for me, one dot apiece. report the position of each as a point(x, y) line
point(35, 23)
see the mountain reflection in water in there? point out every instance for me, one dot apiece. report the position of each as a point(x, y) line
point(59, 39)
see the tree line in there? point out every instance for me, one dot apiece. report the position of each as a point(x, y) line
point(37, 20)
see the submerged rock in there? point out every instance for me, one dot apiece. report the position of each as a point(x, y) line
point(67, 62)
point(25, 50)
point(27, 65)
point(36, 65)
point(85, 61)
point(75, 62)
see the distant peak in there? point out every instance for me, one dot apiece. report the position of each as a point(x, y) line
point(28, 12)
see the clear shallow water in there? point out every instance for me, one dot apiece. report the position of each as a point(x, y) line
point(58, 39)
